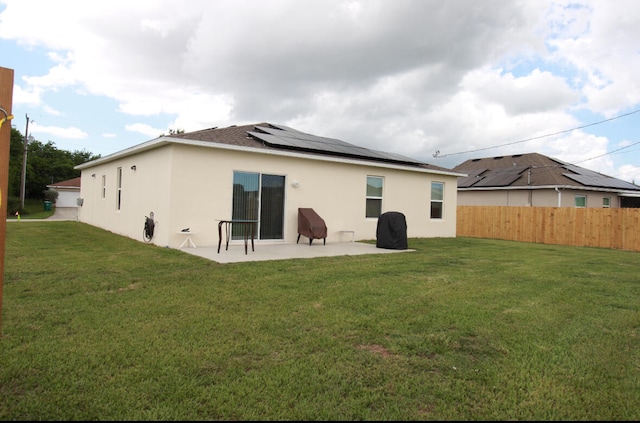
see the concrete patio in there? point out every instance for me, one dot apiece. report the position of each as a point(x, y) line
point(281, 251)
point(263, 250)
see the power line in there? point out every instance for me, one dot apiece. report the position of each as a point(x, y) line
point(610, 152)
point(437, 154)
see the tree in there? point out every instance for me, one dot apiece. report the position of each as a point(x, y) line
point(45, 165)
point(15, 163)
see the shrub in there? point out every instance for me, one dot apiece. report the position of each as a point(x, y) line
point(51, 195)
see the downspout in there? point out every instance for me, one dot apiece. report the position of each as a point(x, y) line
point(530, 190)
point(559, 197)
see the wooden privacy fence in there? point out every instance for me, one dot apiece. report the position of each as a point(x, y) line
point(585, 227)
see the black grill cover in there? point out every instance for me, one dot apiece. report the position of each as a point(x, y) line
point(392, 231)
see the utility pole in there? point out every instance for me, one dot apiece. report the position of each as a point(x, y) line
point(24, 164)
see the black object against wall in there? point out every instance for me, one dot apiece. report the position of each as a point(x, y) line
point(391, 232)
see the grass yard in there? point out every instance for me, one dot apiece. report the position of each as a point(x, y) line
point(33, 209)
point(96, 326)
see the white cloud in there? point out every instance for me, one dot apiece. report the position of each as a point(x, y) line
point(51, 111)
point(601, 44)
point(412, 77)
point(31, 96)
point(69, 132)
point(629, 173)
point(145, 129)
point(536, 92)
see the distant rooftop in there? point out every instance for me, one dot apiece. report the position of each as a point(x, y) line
point(69, 183)
point(533, 169)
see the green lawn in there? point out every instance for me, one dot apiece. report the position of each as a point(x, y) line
point(101, 327)
point(33, 209)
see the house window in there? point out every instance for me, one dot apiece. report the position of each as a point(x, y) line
point(606, 202)
point(581, 201)
point(374, 196)
point(119, 188)
point(104, 186)
point(437, 199)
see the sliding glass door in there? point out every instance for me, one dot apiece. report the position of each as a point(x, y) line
point(259, 197)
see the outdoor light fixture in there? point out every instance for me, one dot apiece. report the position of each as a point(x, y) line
point(133, 168)
point(93, 175)
point(295, 184)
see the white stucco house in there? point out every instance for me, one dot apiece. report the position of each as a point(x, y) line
point(264, 172)
point(68, 192)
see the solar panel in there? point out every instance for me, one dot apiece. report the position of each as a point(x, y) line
point(595, 179)
point(501, 177)
point(284, 137)
point(601, 181)
point(580, 170)
point(473, 176)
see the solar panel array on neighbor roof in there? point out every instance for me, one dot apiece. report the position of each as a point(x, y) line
point(503, 171)
point(590, 178)
point(600, 181)
point(492, 178)
point(284, 137)
point(501, 177)
point(472, 177)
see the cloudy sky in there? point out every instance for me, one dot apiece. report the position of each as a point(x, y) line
point(440, 81)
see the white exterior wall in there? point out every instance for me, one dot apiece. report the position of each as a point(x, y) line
point(535, 197)
point(191, 186)
point(143, 190)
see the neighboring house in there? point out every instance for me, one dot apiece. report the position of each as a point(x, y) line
point(536, 180)
point(263, 172)
point(68, 192)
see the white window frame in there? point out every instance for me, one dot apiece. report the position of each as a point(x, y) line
point(118, 188)
point(606, 202)
point(372, 197)
point(575, 201)
point(437, 201)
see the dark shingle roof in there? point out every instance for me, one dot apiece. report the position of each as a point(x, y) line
point(251, 136)
point(232, 135)
point(532, 169)
point(73, 183)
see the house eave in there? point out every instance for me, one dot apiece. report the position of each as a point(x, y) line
point(154, 143)
point(623, 193)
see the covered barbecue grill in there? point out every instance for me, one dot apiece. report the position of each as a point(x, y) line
point(391, 232)
point(311, 225)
